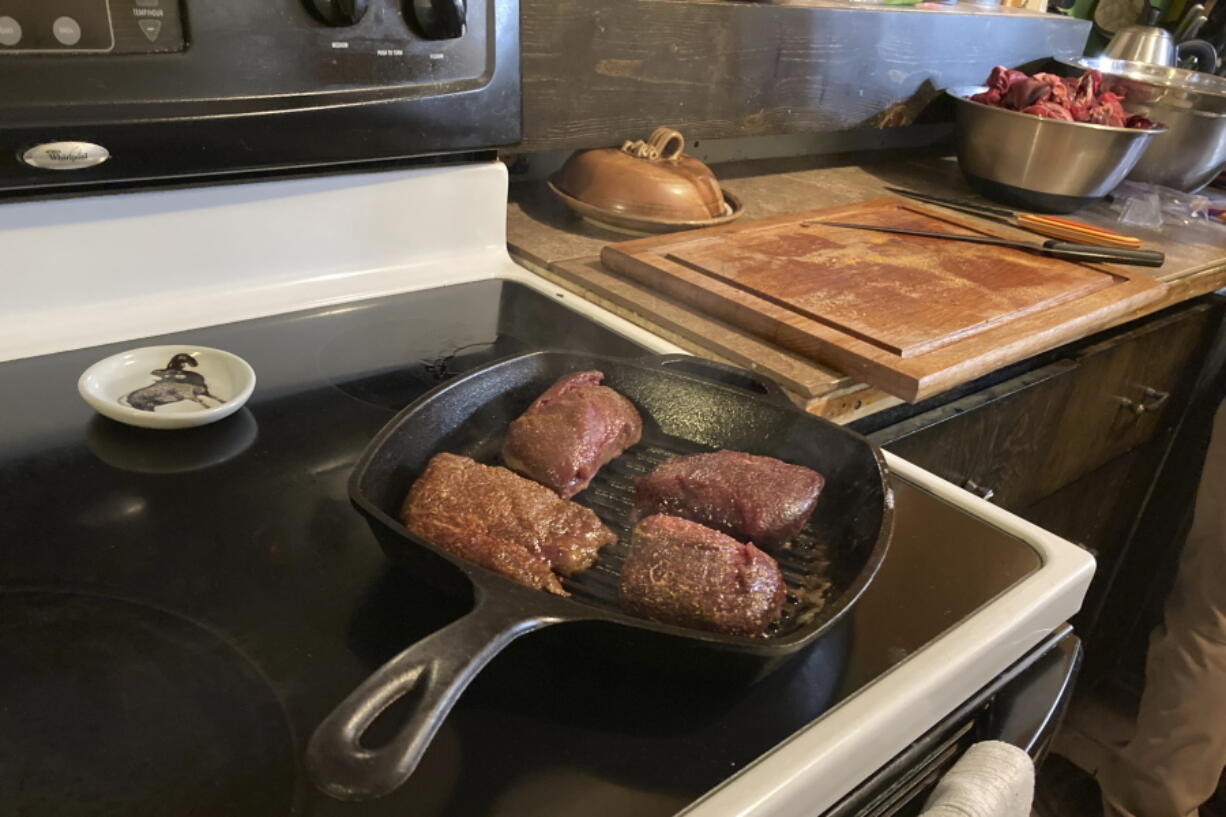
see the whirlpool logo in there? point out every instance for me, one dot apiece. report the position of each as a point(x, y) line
point(65, 155)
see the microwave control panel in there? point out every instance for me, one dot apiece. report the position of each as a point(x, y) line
point(90, 27)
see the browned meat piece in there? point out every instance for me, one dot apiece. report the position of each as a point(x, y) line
point(1049, 110)
point(999, 82)
point(1107, 111)
point(681, 572)
point(1060, 93)
point(989, 97)
point(1082, 99)
point(1002, 78)
point(755, 499)
point(1029, 91)
point(570, 432)
point(1088, 85)
point(502, 521)
point(1026, 93)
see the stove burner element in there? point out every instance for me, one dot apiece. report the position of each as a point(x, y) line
point(114, 707)
point(440, 368)
point(275, 560)
point(400, 382)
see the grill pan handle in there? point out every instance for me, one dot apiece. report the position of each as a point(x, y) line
point(437, 669)
point(723, 374)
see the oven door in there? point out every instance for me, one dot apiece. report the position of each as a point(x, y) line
point(1023, 706)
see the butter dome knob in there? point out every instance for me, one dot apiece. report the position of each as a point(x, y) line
point(665, 143)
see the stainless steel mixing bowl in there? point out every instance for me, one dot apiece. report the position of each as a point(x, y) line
point(1041, 164)
point(1192, 106)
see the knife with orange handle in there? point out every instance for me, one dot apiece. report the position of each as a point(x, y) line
point(1053, 248)
point(1050, 226)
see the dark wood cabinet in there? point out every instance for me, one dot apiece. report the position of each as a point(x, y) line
point(1029, 437)
point(1127, 389)
point(1075, 444)
point(1099, 512)
point(995, 443)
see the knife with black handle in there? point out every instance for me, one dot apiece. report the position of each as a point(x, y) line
point(1053, 248)
point(1048, 226)
point(1087, 252)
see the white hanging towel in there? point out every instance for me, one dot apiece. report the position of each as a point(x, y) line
point(991, 779)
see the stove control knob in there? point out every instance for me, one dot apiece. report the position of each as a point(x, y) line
point(439, 19)
point(338, 12)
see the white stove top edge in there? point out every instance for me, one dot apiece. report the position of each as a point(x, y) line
point(95, 325)
point(86, 271)
point(810, 771)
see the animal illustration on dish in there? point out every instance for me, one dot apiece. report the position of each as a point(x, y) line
point(174, 384)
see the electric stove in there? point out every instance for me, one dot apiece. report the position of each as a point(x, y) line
point(180, 609)
point(312, 185)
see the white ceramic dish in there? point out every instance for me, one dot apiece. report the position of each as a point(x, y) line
point(168, 387)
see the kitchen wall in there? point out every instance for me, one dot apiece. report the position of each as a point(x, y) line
point(600, 71)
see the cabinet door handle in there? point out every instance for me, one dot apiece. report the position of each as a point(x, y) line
point(981, 491)
point(1151, 400)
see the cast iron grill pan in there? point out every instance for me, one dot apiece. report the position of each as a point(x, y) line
point(688, 405)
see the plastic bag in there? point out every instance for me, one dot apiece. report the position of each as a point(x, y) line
point(1138, 204)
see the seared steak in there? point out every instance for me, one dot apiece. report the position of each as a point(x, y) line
point(502, 521)
point(570, 432)
point(756, 499)
point(681, 572)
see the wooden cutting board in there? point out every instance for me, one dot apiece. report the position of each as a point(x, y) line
point(910, 315)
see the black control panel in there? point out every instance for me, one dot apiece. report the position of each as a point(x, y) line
point(96, 92)
point(90, 27)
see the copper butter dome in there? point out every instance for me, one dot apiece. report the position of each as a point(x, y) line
point(649, 180)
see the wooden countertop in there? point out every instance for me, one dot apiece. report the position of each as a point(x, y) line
point(546, 237)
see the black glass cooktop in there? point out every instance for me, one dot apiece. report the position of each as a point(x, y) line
point(178, 610)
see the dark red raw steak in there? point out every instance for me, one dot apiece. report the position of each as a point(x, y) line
point(570, 432)
point(681, 572)
point(756, 499)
